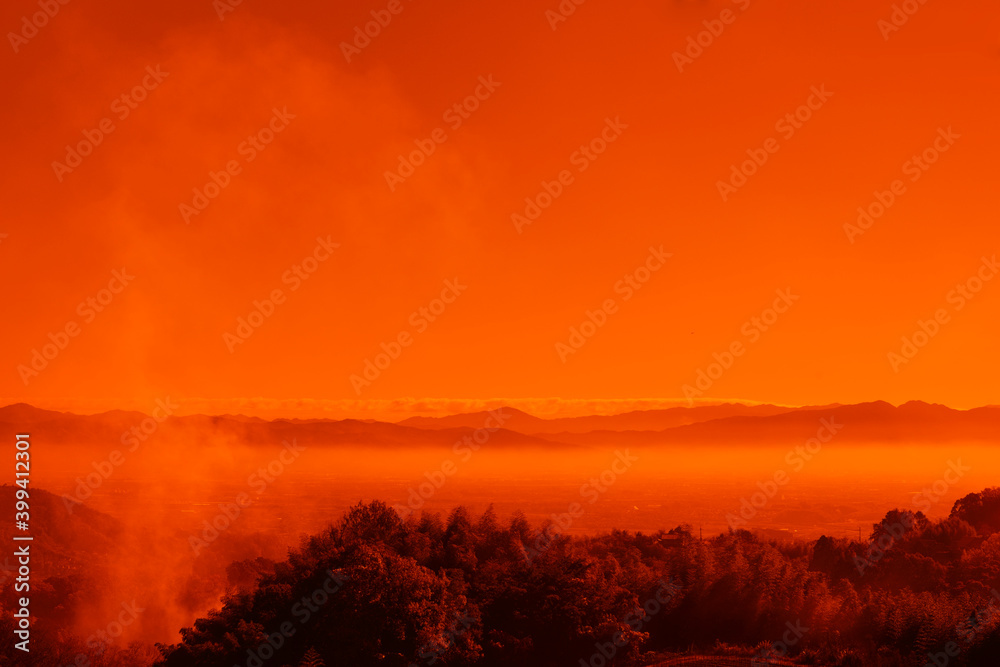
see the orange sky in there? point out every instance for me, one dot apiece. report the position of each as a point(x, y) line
point(323, 176)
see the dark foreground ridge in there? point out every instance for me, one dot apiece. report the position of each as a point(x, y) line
point(377, 589)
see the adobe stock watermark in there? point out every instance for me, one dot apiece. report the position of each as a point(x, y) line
point(899, 17)
point(363, 35)
point(134, 438)
point(38, 20)
point(431, 652)
point(223, 7)
point(787, 126)
point(752, 329)
point(562, 12)
point(980, 620)
point(929, 496)
point(293, 277)
point(958, 297)
point(696, 44)
point(629, 284)
point(635, 620)
point(88, 309)
point(779, 649)
point(797, 459)
point(915, 167)
point(581, 158)
point(454, 116)
point(122, 106)
point(258, 482)
point(101, 639)
point(591, 491)
point(303, 611)
point(464, 448)
point(420, 319)
point(249, 149)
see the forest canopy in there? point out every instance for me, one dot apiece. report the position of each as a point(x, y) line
point(378, 589)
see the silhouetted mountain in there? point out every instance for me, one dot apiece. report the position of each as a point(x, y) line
point(878, 421)
point(63, 542)
point(636, 420)
point(914, 421)
point(63, 428)
point(513, 419)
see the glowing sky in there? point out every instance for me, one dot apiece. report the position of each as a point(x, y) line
point(381, 249)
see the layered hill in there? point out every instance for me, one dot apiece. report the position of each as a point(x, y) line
point(637, 420)
point(876, 422)
point(727, 424)
point(116, 428)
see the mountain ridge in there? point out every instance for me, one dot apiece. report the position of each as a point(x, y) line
point(912, 421)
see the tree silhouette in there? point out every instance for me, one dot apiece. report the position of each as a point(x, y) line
point(389, 592)
point(981, 510)
point(312, 659)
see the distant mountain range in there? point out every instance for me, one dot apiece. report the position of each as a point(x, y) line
point(876, 422)
point(638, 420)
point(726, 424)
point(111, 427)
